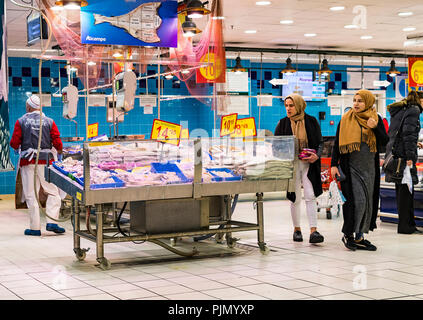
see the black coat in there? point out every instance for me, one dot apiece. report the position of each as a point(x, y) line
point(407, 137)
point(346, 186)
point(315, 141)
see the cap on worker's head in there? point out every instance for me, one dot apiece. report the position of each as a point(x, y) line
point(34, 101)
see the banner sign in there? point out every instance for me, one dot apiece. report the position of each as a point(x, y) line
point(415, 72)
point(5, 164)
point(130, 23)
point(245, 128)
point(166, 132)
point(214, 72)
point(227, 124)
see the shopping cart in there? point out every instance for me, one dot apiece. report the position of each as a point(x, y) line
point(323, 201)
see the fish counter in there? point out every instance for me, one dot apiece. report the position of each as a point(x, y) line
point(171, 191)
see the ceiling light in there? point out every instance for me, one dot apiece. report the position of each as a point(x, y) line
point(405, 14)
point(288, 68)
point(309, 34)
point(409, 29)
point(91, 63)
point(392, 71)
point(218, 18)
point(324, 70)
point(263, 3)
point(366, 37)
point(194, 9)
point(351, 26)
point(117, 53)
point(337, 8)
point(250, 31)
point(189, 28)
point(70, 4)
point(286, 21)
point(238, 66)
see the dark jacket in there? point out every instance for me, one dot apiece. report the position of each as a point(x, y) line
point(346, 186)
point(407, 137)
point(315, 141)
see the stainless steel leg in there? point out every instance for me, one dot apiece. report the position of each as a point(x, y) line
point(104, 263)
point(260, 221)
point(79, 253)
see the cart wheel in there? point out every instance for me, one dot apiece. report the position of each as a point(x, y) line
point(231, 242)
point(80, 254)
point(328, 214)
point(264, 250)
point(173, 242)
point(219, 238)
point(104, 264)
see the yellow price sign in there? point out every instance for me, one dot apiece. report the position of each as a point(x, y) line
point(185, 134)
point(166, 132)
point(245, 128)
point(92, 130)
point(227, 124)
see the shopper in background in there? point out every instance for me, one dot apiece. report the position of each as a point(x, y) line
point(406, 112)
point(359, 138)
point(25, 136)
point(307, 130)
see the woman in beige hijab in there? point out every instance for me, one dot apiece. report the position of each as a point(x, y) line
point(359, 138)
point(307, 130)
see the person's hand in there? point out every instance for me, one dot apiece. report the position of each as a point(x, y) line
point(371, 123)
point(312, 157)
point(410, 163)
point(334, 172)
point(419, 145)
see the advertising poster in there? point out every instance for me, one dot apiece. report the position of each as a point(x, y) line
point(415, 72)
point(130, 23)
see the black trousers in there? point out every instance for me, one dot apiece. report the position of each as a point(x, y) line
point(405, 208)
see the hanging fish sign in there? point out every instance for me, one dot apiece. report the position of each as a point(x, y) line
point(131, 23)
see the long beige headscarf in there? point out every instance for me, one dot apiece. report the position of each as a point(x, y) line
point(297, 121)
point(350, 136)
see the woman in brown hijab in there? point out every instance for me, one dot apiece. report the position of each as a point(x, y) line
point(307, 130)
point(359, 138)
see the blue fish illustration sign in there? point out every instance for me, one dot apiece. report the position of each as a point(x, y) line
point(130, 22)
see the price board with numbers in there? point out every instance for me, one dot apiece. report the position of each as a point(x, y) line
point(227, 125)
point(245, 128)
point(166, 132)
point(92, 130)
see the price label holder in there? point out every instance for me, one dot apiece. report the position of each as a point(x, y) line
point(227, 127)
point(92, 130)
point(166, 132)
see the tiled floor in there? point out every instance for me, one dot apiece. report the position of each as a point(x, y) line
point(45, 267)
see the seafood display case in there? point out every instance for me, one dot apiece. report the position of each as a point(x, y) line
point(171, 190)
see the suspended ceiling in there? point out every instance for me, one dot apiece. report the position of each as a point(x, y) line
point(308, 16)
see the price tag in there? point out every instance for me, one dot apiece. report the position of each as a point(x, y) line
point(92, 130)
point(185, 134)
point(227, 125)
point(245, 128)
point(166, 132)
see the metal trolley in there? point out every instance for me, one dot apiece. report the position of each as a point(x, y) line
point(199, 208)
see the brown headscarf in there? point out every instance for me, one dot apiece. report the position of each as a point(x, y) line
point(350, 135)
point(297, 121)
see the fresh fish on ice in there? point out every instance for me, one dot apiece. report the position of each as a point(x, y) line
point(141, 23)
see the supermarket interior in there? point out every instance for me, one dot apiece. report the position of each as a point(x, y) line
point(168, 153)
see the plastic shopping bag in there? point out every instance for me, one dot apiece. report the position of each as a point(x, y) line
point(407, 179)
point(335, 195)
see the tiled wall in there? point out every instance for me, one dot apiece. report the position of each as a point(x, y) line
point(23, 77)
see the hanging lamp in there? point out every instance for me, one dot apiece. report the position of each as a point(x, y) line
point(288, 68)
point(70, 4)
point(238, 66)
point(194, 9)
point(392, 72)
point(189, 28)
point(324, 70)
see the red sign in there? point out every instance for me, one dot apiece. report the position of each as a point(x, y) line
point(415, 72)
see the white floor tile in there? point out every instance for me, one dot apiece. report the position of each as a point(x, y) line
point(273, 292)
point(317, 291)
point(344, 296)
point(103, 296)
point(135, 294)
point(379, 294)
point(118, 287)
point(80, 292)
point(169, 290)
point(190, 296)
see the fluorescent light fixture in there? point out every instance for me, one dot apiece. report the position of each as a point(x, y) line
point(310, 34)
point(351, 26)
point(407, 29)
point(405, 14)
point(218, 18)
point(286, 22)
point(91, 63)
point(250, 31)
point(337, 8)
point(417, 42)
point(366, 37)
point(263, 3)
